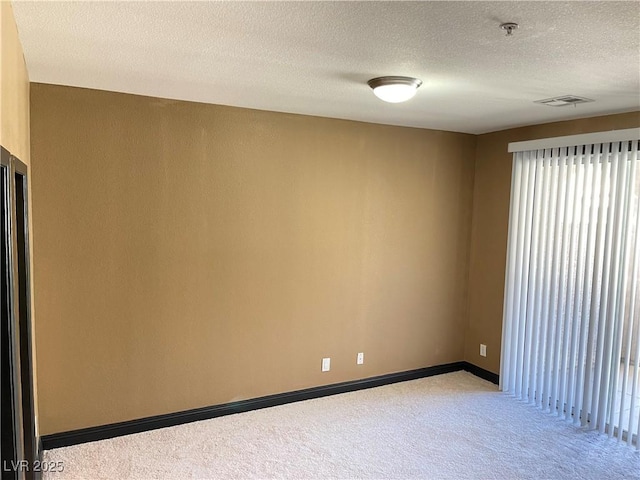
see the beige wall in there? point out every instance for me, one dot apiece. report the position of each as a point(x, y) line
point(14, 88)
point(190, 254)
point(490, 224)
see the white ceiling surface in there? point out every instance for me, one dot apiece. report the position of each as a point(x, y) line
point(315, 58)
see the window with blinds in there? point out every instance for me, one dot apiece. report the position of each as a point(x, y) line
point(572, 293)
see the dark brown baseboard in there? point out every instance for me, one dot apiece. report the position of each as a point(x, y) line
point(102, 432)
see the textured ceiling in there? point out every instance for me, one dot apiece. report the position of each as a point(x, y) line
point(315, 57)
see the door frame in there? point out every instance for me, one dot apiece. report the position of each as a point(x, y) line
point(19, 323)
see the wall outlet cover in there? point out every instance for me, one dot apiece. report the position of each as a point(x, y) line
point(326, 364)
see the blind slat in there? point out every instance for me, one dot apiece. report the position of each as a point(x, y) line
point(530, 348)
point(549, 266)
point(575, 265)
point(510, 276)
point(558, 281)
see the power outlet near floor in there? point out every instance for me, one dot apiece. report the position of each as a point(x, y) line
point(326, 364)
point(360, 358)
point(483, 350)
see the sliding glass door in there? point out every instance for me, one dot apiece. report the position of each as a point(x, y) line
point(572, 293)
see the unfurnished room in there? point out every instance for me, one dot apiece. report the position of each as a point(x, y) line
point(320, 240)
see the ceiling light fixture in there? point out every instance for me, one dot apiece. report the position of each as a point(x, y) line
point(394, 89)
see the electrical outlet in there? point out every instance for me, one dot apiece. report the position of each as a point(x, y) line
point(360, 359)
point(483, 350)
point(326, 364)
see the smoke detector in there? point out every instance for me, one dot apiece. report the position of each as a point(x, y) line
point(563, 101)
point(509, 27)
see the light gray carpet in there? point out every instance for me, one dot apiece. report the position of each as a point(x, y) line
point(452, 426)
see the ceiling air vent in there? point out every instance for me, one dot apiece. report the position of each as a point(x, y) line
point(563, 101)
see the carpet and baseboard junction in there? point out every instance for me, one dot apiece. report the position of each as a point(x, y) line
point(447, 426)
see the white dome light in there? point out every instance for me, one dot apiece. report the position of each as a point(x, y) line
point(394, 89)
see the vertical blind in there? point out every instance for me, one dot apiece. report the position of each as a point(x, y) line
point(571, 328)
